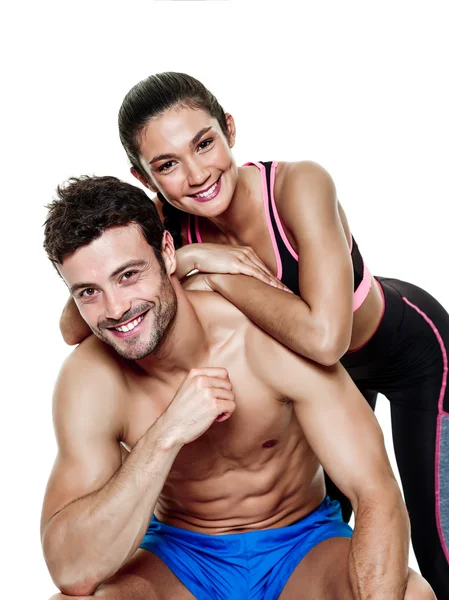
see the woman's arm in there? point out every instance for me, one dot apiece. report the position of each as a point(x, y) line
point(223, 258)
point(319, 324)
point(73, 327)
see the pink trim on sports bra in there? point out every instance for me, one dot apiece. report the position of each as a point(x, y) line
point(276, 215)
point(378, 325)
point(197, 230)
point(189, 235)
point(267, 217)
point(362, 291)
point(279, 222)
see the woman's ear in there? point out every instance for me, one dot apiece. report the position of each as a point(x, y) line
point(143, 180)
point(230, 125)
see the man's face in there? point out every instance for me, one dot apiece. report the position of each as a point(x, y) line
point(122, 291)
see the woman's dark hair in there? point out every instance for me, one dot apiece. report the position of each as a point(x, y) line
point(150, 98)
point(85, 207)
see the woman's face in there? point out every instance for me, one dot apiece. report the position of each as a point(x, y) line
point(188, 159)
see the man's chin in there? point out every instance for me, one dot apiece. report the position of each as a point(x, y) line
point(136, 353)
point(125, 350)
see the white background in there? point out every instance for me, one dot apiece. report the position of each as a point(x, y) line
point(359, 87)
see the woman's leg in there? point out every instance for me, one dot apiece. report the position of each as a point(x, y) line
point(420, 425)
point(421, 443)
point(406, 360)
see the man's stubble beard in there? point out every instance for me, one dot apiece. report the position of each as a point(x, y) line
point(163, 316)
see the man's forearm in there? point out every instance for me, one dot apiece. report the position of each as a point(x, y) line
point(91, 538)
point(378, 560)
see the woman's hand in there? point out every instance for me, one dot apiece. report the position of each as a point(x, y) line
point(210, 282)
point(197, 282)
point(221, 258)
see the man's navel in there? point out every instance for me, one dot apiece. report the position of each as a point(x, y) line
point(269, 443)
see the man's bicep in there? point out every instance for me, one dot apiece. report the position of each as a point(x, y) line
point(336, 419)
point(74, 477)
point(343, 431)
point(88, 446)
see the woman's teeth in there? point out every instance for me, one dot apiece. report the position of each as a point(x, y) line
point(130, 326)
point(209, 192)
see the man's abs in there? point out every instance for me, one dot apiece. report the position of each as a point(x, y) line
point(272, 487)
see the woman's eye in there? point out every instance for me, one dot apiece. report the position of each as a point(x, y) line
point(204, 144)
point(166, 166)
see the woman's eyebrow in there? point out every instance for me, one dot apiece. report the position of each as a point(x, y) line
point(196, 138)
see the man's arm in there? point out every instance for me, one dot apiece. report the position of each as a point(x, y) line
point(96, 510)
point(345, 436)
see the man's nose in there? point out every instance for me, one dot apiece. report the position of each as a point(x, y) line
point(116, 306)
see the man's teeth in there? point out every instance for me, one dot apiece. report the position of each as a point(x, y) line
point(129, 326)
point(209, 192)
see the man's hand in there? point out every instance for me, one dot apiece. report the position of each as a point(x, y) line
point(204, 396)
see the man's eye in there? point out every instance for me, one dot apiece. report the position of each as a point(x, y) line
point(128, 275)
point(87, 292)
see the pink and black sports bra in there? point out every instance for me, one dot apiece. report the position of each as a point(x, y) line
point(286, 257)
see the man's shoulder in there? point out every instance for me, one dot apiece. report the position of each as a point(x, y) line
point(94, 358)
point(217, 312)
point(90, 395)
point(213, 309)
point(92, 372)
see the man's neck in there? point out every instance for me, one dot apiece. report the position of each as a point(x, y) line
point(184, 345)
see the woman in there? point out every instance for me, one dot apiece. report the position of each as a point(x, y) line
point(391, 336)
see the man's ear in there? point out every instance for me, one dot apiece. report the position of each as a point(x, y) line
point(231, 131)
point(169, 253)
point(143, 180)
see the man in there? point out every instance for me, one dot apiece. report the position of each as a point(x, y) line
point(226, 432)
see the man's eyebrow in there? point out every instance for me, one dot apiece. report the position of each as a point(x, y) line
point(138, 262)
point(128, 265)
point(196, 138)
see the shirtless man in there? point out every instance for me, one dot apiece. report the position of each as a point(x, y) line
point(225, 431)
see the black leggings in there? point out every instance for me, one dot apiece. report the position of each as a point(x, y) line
point(406, 360)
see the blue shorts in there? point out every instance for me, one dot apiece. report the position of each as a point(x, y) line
point(247, 566)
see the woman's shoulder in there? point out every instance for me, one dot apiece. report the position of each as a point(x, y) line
point(303, 172)
point(297, 182)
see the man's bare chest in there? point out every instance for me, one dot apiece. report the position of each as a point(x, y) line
point(260, 424)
